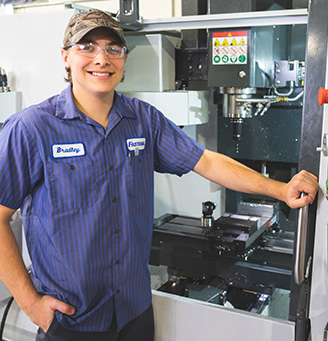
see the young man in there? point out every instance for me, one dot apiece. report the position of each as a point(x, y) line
point(80, 167)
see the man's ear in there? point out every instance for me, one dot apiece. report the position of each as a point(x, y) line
point(64, 55)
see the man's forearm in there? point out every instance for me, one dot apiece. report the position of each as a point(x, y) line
point(13, 272)
point(40, 309)
point(234, 175)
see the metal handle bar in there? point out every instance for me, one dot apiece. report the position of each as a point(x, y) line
point(299, 267)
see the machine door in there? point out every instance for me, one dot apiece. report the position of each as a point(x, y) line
point(319, 291)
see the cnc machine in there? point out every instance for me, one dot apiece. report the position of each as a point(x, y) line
point(252, 257)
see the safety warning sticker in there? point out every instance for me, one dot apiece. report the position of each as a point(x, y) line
point(229, 47)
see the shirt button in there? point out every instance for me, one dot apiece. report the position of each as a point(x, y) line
point(118, 291)
point(111, 167)
point(114, 199)
point(117, 262)
point(116, 231)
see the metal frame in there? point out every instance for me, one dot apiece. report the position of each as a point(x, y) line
point(192, 22)
point(242, 19)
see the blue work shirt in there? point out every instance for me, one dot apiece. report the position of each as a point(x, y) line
point(86, 199)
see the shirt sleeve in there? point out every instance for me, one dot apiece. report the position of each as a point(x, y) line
point(175, 152)
point(20, 163)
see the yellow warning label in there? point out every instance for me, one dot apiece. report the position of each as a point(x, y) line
point(229, 35)
point(233, 42)
point(217, 43)
point(242, 42)
point(225, 42)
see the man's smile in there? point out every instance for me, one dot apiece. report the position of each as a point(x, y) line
point(101, 74)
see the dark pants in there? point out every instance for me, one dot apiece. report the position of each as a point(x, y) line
point(141, 328)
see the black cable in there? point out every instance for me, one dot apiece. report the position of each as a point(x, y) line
point(4, 317)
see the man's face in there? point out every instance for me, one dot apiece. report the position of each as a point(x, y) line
point(97, 76)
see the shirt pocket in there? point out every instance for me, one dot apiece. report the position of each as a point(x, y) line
point(72, 183)
point(134, 171)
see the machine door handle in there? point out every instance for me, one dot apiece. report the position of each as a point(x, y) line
point(299, 268)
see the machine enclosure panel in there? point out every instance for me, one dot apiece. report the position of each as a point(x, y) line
point(264, 46)
point(181, 107)
point(150, 65)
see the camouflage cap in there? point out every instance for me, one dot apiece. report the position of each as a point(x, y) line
point(83, 22)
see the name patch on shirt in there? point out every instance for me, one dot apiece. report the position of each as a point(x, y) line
point(136, 143)
point(67, 150)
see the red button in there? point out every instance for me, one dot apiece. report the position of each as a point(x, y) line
point(322, 96)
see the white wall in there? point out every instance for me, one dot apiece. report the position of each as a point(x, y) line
point(30, 53)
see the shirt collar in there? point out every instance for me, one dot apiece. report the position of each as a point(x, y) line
point(66, 108)
point(121, 108)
